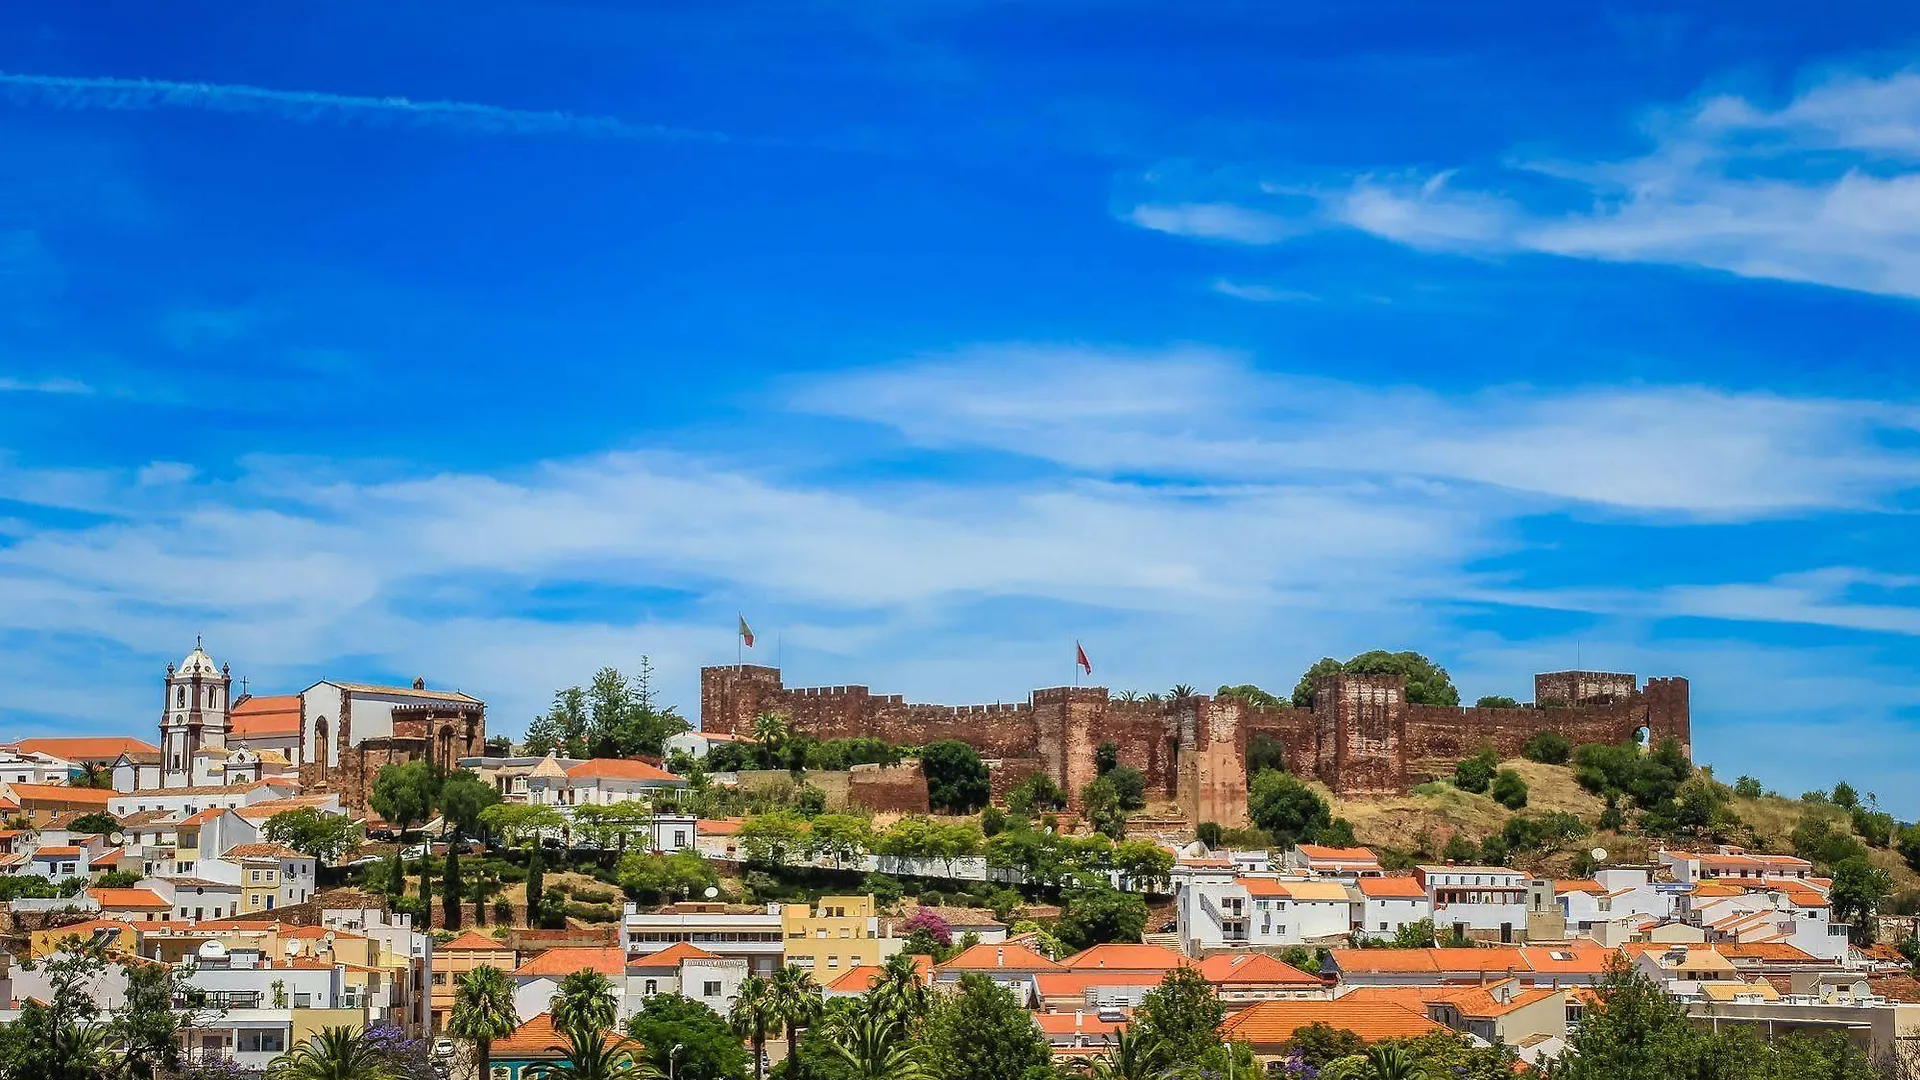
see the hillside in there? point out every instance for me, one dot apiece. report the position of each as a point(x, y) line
point(1436, 811)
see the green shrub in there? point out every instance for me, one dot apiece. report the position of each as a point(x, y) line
point(1476, 773)
point(1548, 748)
point(1509, 790)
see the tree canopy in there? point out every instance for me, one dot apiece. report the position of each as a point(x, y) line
point(1288, 810)
point(709, 1050)
point(1427, 682)
point(957, 779)
point(983, 1032)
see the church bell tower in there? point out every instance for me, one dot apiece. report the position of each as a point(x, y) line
point(194, 717)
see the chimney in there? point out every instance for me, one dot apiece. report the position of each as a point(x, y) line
point(999, 958)
point(419, 684)
point(1077, 1016)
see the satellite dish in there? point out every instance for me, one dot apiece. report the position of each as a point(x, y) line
point(328, 940)
point(293, 946)
point(117, 839)
point(711, 892)
point(1599, 854)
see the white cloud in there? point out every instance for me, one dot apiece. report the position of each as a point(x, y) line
point(1214, 221)
point(1262, 294)
point(1690, 451)
point(12, 385)
point(1822, 189)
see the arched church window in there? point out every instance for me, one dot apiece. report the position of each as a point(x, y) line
point(180, 697)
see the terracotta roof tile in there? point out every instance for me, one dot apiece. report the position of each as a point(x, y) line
point(265, 717)
point(621, 769)
point(537, 1038)
point(262, 851)
point(1254, 968)
point(60, 793)
point(128, 898)
point(86, 748)
point(1391, 888)
point(1271, 1023)
point(671, 956)
point(474, 941)
point(1124, 957)
point(566, 961)
point(1009, 956)
point(1338, 854)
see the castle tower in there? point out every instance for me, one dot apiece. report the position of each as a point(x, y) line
point(193, 715)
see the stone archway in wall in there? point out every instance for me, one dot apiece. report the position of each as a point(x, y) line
point(1643, 735)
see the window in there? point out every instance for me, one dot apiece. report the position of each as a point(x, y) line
point(253, 1041)
point(833, 961)
point(256, 875)
point(439, 978)
point(711, 988)
point(653, 987)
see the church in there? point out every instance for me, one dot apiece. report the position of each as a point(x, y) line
point(334, 735)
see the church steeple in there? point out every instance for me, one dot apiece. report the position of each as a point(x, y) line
point(194, 715)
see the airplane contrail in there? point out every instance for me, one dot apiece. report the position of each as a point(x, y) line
point(313, 107)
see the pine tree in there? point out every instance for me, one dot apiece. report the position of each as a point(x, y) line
point(450, 889)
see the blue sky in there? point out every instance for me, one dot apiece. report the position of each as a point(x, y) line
point(494, 343)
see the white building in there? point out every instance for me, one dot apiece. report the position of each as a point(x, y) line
point(697, 744)
point(1387, 904)
point(751, 934)
point(689, 971)
point(602, 782)
point(34, 767)
point(1320, 861)
point(1485, 901)
point(1614, 904)
point(1733, 865)
point(538, 979)
point(193, 717)
point(1218, 908)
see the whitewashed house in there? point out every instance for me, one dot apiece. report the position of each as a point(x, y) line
point(1384, 905)
point(1488, 902)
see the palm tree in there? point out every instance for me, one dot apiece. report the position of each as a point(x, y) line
point(751, 1014)
point(900, 993)
point(1130, 1056)
point(1180, 691)
point(92, 774)
point(590, 1055)
point(796, 1001)
point(1383, 1062)
point(769, 730)
point(875, 1048)
point(585, 1003)
point(483, 1011)
point(336, 1053)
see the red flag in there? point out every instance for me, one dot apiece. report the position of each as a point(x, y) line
point(746, 632)
point(1080, 657)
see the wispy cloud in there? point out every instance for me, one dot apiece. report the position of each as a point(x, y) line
point(1822, 189)
point(1679, 450)
point(316, 107)
point(9, 384)
point(1262, 294)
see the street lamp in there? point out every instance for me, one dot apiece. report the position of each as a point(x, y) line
point(671, 1056)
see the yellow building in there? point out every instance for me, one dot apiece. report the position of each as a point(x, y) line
point(838, 934)
point(459, 956)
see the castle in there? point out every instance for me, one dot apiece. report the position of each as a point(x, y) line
point(1361, 736)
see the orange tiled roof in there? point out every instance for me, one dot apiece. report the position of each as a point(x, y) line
point(671, 956)
point(1010, 956)
point(1255, 968)
point(474, 941)
point(1342, 854)
point(1271, 1023)
point(270, 807)
point(621, 769)
point(1122, 957)
point(537, 1038)
point(57, 852)
point(861, 979)
point(60, 793)
point(262, 851)
point(86, 748)
point(1585, 885)
point(1764, 950)
point(717, 827)
point(1074, 984)
point(566, 961)
point(128, 898)
point(265, 717)
point(1398, 887)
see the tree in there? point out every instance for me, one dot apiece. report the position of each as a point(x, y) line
point(1130, 784)
point(840, 837)
point(1183, 1014)
point(1250, 694)
point(98, 822)
point(981, 1032)
point(1287, 809)
point(956, 777)
point(773, 839)
point(1036, 792)
point(1859, 889)
point(750, 1014)
point(708, 1048)
point(1844, 796)
point(873, 1046)
point(1102, 804)
point(796, 1001)
point(1547, 748)
point(147, 1029)
point(326, 837)
point(1819, 839)
point(451, 889)
point(1747, 787)
point(563, 729)
point(1144, 863)
point(1496, 701)
point(1459, 849)
point(651, 878)
point(483, 1011)
point(1509, 790)
point(405, 795)
point(1100, 915)
point(1324, 667)
point(1131, 1055)
point(900, 993)
point(462, 798)
point(590, 1055)
point(585, 1001)
point(1384, 1061)
point(1106, 758)
point(1319, 1044)
point(93, 775)
point(1210, 833)
point(1264, 752)
point(337, 1053)
point(1475, 774)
